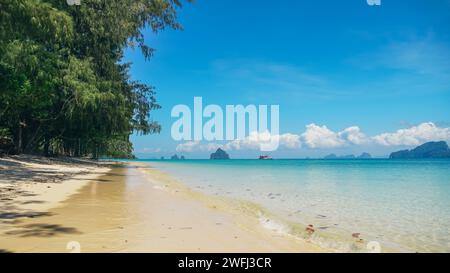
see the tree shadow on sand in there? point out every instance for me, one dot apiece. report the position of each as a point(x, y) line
point(42, 230)
point(16, 215)
point(100, 180)
point(17, 171)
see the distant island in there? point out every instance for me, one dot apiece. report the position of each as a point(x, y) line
point(365, 156)
point(175, 157)
point(362, 156)
point(219, 154)
point(438, 149)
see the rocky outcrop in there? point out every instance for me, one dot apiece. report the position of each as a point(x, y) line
point(365, 156)
point(219, 154)
point(438, 149)
point(362, 156)
point(331, 156)
point(175, 157)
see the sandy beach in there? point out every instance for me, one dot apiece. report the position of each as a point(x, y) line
point(72, 206)
point(31, 183)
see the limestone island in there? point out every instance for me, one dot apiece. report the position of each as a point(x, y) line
point(438, 149)
point(219, 154)
point(362, 156)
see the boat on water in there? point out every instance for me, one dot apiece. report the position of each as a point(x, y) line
point(265, 157)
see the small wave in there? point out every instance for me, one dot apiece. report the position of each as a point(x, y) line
point(268, 220)
point(326, 240)
point(273, 225)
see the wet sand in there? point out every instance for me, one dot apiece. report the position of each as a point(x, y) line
point(139, 209)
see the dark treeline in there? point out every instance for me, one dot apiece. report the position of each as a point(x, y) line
point(64, 89)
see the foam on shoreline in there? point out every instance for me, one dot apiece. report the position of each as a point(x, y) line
point(249, 214)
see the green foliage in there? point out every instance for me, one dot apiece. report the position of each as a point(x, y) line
point(63, 87)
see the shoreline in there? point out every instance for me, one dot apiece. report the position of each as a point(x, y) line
point(137, 208)
point(246, 215)
point(251, 215)
point(346, 203)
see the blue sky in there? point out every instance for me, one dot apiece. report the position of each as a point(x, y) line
point(330, 65)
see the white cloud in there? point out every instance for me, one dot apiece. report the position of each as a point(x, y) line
point(415, 135)
point(320, 137)
point(353, 135)
point(424, 56)
point(416, 65)
point(187, 147)
point(255, 140)
point(290, 141)
point(252, 142)
point(150, 150)
point(192, 146)
point(421, 55)
point(210, 147)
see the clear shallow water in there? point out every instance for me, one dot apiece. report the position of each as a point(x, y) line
point(404, 205)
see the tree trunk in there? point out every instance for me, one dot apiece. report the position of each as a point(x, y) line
point(19, 145)
point(46, 146)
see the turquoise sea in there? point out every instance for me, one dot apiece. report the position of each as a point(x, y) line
point(404, 205)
